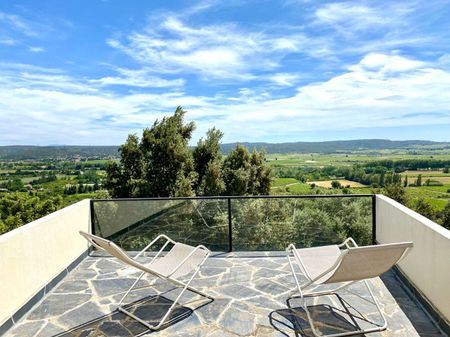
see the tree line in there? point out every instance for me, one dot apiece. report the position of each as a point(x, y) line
point(410, 164)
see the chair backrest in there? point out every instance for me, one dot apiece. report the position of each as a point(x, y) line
point(175, 256)
point(360, 263)
point(114, 250)
point(162, 267)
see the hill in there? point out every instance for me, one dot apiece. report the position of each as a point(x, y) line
point(337, 146)
point(56, 152)
point(69, 152)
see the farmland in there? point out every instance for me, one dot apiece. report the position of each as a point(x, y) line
point(349, 159)
point(310, 174)
point(342, 182)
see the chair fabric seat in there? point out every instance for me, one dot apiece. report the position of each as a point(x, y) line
point(167, 263)
point(318, 259)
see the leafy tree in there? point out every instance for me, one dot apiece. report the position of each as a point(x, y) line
point(208, 164)
point(236, 170)
point(168, 163)
point(396, 192)
point(260, 179)
point(15, 184)
point(81, 188)
point(335, 184)
point(405, 182)
point(116, 181)
point(246, 173)
point(446, 216)
point(424, 208)
point(396, 178)
point(419, 180)
point(382, 178)
point(160, 164)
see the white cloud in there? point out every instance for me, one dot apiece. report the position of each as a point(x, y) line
point(348, 16)
point(18, 23)
point(138, 78)
point(49, 107)
point(216, 51)
point(379, 91)
point(31, 26)
point(36, 49)
point(388, 63)
point(8, 42)
point(284, 79)
point(444, 61)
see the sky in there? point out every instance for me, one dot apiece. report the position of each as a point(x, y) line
point(90, 72)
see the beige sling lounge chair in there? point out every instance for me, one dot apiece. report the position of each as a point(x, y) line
point(181, 261)
point(344, 264)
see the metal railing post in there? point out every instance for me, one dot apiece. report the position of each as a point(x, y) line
point(91, 210)
point(230, 227)
point(374, 219)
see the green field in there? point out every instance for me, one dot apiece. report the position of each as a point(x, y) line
point(284, 181)
point(299, 188)
point(344, 159)
point(436, 196)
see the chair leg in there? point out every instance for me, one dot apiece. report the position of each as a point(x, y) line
point(350, 333)
point(384, 326)
point(130, 289)
point(186, 286)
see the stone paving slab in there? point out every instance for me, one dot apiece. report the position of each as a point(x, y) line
point(252, 298)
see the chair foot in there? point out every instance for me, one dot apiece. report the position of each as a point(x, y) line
point(350, 333)
point(201, 293)
point(126, 312)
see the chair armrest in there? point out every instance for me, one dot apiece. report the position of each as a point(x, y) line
point(168, 240)
point(346, 243)
point(293, 249)
point(89, 239)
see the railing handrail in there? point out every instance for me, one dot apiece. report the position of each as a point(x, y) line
point(220, 197)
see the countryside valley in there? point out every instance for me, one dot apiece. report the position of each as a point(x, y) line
point(35, 181)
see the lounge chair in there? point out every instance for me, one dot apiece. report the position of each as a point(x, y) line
point(181, 261)
point(344, 264)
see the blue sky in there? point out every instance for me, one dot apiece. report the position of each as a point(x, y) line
point(91, 72)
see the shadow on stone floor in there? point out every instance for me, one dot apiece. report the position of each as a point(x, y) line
point(327, 319)
point(151, 309)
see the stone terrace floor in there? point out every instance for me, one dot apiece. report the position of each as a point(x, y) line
point(251, 293)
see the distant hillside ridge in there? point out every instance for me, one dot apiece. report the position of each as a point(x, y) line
point(335, 146)
point(61, 152)
point(31, 152)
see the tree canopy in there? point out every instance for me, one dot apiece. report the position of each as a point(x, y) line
point(161, 164)
point(18, 208)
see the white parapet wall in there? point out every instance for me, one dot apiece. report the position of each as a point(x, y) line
point(33, 255)
point(427, 266)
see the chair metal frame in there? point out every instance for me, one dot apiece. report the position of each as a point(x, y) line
point(305, 291)
point(146, 269)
